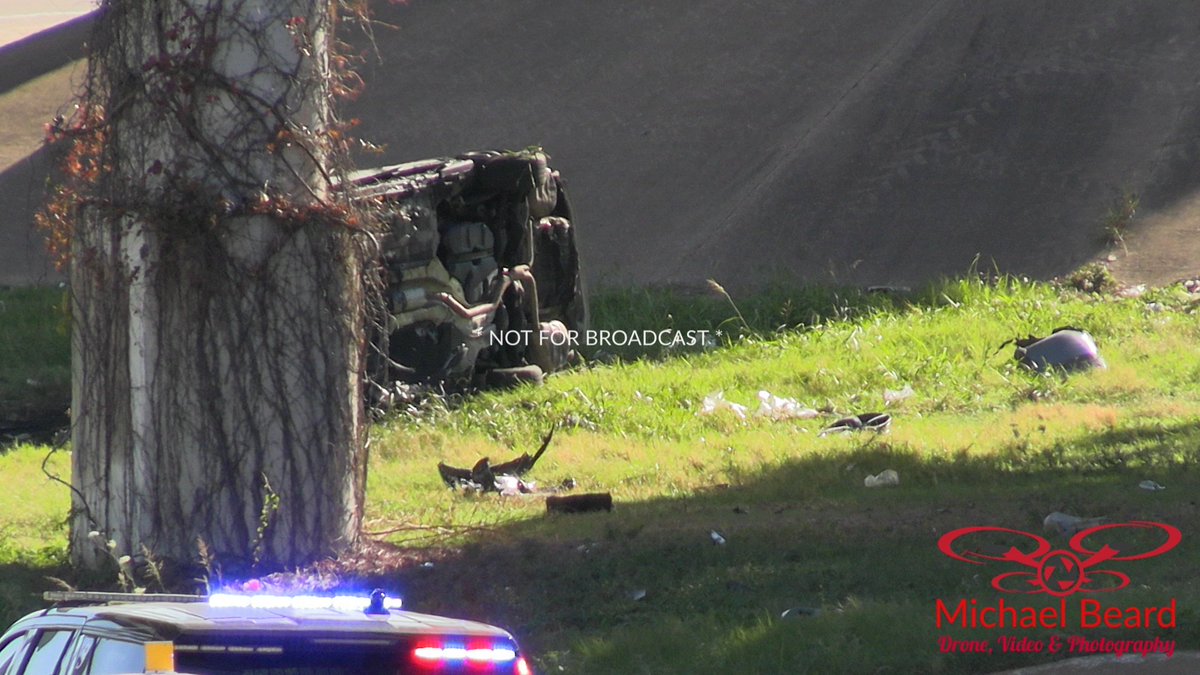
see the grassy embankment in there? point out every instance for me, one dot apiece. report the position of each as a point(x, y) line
point(981, 442)
point(35, 369)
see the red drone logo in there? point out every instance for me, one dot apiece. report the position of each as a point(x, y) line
point(1058, 572)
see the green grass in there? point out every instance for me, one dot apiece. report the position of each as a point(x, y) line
point(981, 442)
point(33, 527)
point(1119, 217)
point(35, 358)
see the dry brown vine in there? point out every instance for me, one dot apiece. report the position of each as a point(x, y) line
point(150, 155)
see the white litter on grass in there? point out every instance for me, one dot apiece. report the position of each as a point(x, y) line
point(1151, 485)
point(716, 538)
point(1067, 525)
point(511, 486)
point(891, 396)
point(887, 478)
point(770, 406)
point(778, 408)
point(715, 403)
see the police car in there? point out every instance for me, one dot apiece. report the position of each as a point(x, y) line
point(225, 634)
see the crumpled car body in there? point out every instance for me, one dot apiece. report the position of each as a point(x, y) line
point(479, 267)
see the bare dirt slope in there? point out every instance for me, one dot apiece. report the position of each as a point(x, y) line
point(860, 141)
point(856, 141)
point(37, 77)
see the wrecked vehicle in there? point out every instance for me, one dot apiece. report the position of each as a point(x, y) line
point(480, 270)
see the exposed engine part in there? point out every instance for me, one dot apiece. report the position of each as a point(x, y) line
point(477, 250)
point(469, 253)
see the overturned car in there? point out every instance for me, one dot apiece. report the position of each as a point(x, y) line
point(479, 269)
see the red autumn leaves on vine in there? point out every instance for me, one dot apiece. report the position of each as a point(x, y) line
point(186, 50)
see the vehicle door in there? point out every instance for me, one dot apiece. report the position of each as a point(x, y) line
point(101, 655)
point(43, 652)
point(13, 651)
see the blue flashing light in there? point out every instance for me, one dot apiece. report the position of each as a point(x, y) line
point(346, 603)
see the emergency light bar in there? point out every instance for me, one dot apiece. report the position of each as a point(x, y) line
point(349, 603)
point(96, 597)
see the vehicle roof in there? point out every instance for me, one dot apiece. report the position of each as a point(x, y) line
point(201, 618)
point(399, 181)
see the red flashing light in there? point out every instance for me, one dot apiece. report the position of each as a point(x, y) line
point(477, 655)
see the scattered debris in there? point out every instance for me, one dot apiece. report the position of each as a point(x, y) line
point(596, 501)
point(484, 477)
point(1151, 486)
point(573, 421)
point(887, 478)
point(1066, 525)
point(639, 594)
point(777, 408)
point(510, 486)
point(863, 422)
point(715, 403)
point(891, 396)
point(427, 565)
point(770, 406)
point(1066, 348)
point(800, 612)
point(716, 538)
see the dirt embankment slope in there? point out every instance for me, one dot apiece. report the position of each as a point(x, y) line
point(37, 76)
point(858, 141)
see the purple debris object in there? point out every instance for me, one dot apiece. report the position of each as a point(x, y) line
point(1068, 349)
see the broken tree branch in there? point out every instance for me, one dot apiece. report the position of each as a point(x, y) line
point(483, 474)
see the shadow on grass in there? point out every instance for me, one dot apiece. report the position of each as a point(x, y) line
point(22, 582)
point(645, 589)
point(807, 536)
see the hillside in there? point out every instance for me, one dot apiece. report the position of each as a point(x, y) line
point(859, 142)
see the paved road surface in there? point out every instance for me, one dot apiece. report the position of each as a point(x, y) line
point(22, 18)
point(39, 41)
